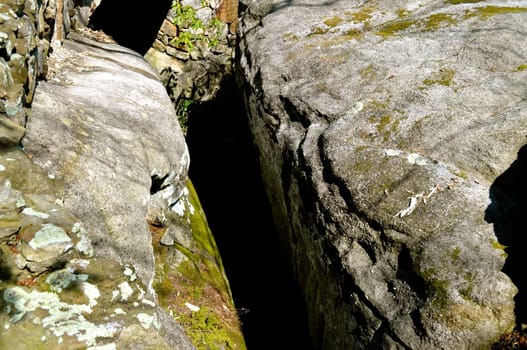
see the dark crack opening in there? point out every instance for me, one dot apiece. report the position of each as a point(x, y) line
point(225, 172)
point(132, 23)
point(508, 213)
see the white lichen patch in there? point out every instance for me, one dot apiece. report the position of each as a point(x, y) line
point(62, 279)
point(79, 263)
point(2, 168)
point(130, 274)
point(50, 235)
point(92, 293)
point(84, 245)
point(147, 320)
point(359, 106)
point(392, 152)
point(63, 318)
point(118, 311)
point(20, 202)
point(417, 159)
point(141, 293)
point(32, 212)
point(148, 302)
point(125, 291)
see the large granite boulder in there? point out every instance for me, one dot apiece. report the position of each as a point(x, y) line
point(381, 127)
point(103, 242)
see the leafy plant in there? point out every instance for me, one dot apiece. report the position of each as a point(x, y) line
point(191, 29)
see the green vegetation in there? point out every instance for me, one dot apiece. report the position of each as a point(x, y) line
point(361, 16)
point(333, 21)
point(455, 253)
point(437, 288)
point(190, 281)
point(444, 77)
point(394, 27)
point(183, 107)
point(438, 20)
point(192, 30)
point(489, 11)
point(521, 68)
point(460, 173)
point(455, 2)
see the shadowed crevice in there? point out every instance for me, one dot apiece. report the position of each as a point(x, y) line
point(508, 213)
point(132, 23)
point(225, 172)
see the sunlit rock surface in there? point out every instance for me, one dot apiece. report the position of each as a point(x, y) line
point(381, 127)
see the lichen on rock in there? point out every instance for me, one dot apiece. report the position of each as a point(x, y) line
point(380, 129)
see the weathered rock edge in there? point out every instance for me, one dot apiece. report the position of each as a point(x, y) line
point(95, 128)
point(380, 128)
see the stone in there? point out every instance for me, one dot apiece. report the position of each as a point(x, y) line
point(114, 139)
point(380, 130)
point(169, 29)
point(141, 141)
point(10, 132)
point(160, 61)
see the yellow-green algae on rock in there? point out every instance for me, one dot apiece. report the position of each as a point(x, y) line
point(191, 282)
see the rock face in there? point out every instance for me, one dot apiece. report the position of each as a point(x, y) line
point(108, 153)
point(94, 128)
point(381, 127)
point(103, 241)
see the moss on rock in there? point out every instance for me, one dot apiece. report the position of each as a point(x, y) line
point(192, 285)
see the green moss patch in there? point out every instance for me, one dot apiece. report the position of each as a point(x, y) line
point(456, 2)
point(333, 21)
point(362, 15)
point(394, 27)
point(438, 20)
point(191, 284)
point(490, 11)
point(444, 77)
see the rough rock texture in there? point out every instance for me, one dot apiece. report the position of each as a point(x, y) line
point(101, 223)
point(27, 30)
point(381, 126)
point(103, 243)
point(107, 152)
point(103, 142)
point(55, 293)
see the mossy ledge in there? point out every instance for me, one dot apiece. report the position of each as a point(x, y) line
point(192, 286)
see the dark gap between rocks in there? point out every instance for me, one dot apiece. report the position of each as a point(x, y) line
point(225, 172)
point(131, 23)
point(508, 213)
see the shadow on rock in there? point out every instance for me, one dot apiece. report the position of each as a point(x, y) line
point(132, 23)
point(508, 212)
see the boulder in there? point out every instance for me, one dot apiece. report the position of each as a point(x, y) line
point(107, 139)
point(381, 127)
point(103, 242)
point(56, 294)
